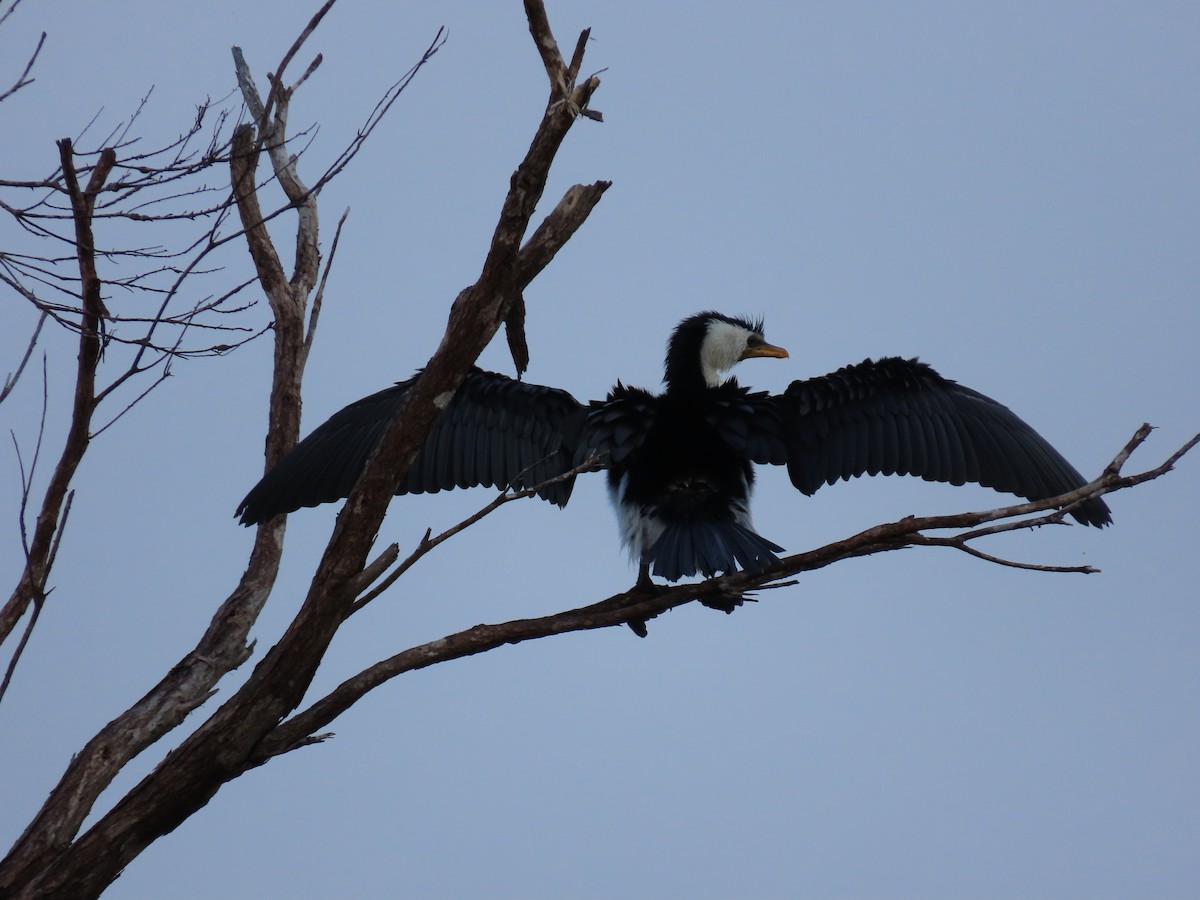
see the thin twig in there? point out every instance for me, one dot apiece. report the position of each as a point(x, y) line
point(318, 297)
point(959, 543)
point(427, 543)
point(390, 96)
point(23, 80)
point(1053, 517)
point(287, 58)
point(11, 380)
point(8, 12)
point(36, 605)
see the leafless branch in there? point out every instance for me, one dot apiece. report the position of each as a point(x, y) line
point(33, 577)
point(390, 96)
point(24, 78)
point(27, 475)
point(36, 607)
point(11, 379)
point(960, 542)
point(319, 297)
point(38, 601)
point(427, 543)
point(151, 175)
point(277, 78)
point(8, 12)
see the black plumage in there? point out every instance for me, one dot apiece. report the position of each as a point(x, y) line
point(680, 463)
point(494, 432)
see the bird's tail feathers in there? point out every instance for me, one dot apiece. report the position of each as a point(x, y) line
point(709, 548)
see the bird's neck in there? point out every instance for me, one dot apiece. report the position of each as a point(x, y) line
point(685, 380)
point(691, 383)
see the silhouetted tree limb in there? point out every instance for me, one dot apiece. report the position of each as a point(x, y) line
point(49, 861)
point(32, 584)
point(23, 80)
point(36, 601)
point(428, 542)
point(11, 379)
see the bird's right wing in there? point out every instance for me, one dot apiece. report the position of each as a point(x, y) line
point(494, 431)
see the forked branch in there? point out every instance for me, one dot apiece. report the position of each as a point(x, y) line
point(32, 583)
point(429, 542)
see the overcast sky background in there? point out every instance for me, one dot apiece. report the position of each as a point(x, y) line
point(1009, 190)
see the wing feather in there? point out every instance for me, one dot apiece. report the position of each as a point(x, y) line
point(899, 416)
point(491, 431)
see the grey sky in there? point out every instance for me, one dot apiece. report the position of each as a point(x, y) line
point(1009, 190)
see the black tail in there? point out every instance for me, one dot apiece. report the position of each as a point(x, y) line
point(709, 548)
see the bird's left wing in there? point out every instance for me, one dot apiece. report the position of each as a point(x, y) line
point(899, 416)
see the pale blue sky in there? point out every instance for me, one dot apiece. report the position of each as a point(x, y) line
point(1009, 190)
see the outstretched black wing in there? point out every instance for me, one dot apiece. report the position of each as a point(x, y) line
point(898, 416)
point(495, 431)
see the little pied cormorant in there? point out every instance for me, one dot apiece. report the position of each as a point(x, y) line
point(680, 463)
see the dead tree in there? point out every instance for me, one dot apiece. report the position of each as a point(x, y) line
point(271, 713)
point(51, 858)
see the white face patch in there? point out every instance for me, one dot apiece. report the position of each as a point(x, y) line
point(723, 346)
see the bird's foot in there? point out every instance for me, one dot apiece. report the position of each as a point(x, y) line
point(729, 599)
point(644, 586)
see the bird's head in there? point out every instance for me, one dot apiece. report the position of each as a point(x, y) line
point(705, 346)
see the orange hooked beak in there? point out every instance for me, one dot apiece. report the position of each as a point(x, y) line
point(765, 349)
